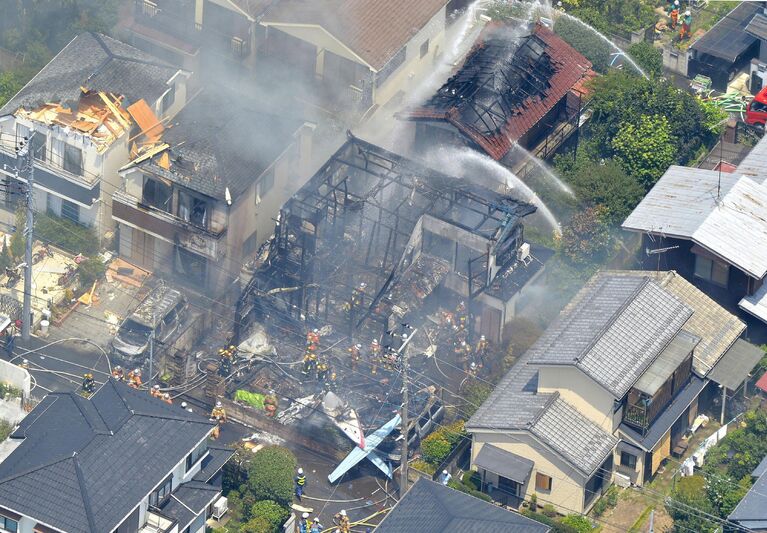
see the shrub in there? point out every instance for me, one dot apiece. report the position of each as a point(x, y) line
point(648, 57)
point(272, 512)
point(66, 235)
point(555, 525)
point(423, 466)
point(89, 271)
point(600, 507)
point(586, 239)
point(270, 474)
point(585, 41)
point(549, 510)
point(579, 523)
point(257, 525)
point(435, 448)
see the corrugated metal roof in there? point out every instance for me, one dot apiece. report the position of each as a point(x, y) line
point(504, 463)
point(728, 38)
point(755, 163)
point(758, 26)
point(684, 204)
point(667, 362)
point(734, 367)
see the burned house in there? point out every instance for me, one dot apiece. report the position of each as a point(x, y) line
point(416, 238)
point(510, 90)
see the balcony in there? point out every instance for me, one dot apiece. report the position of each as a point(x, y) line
point(129, 210)
point(156, 523)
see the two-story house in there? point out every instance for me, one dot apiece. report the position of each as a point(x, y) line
point(356, 55)
point(610, 386)
point(119, 461)
point(711, 227)
point(81, 106)
point(205, 37)
point(199, 201)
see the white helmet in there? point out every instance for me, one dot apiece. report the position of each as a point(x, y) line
point(444, 471)
point(156, 387)
point(218, 404)
point(315, 330)
point(300, 470)
point(166, 396)
point(305, 516)
point(375, 341)
point(676, 3)
point(687, 13)
point(359, 346)
point(343, 512)
point(363, 285)
point(137, 371)
point(183, 404)
point(481, 337)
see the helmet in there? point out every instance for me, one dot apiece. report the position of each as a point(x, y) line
point(676, 2)
point(118, 367)
point(363, 285)
point(300, 470)
point(375, 341)
point(687, 13)
point(481, 337)
point(218, 404)
point(358, 346)
point(137, 372)
point(156, 387)
point(166, 396)
point(343, 512)
point(315, 330)
point(183, 405)
point(305, 516)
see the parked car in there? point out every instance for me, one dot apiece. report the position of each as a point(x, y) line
point(756, 110)
point(157, 316)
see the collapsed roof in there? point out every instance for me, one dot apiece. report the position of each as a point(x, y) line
point(505, 86)
point(371, 216)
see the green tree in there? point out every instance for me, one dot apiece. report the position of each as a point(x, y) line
point(578, 522)
point(687, 504)
point(270, 474)
point(435, 448)
point(605, 183)
point(258, 524)
point(645, 150)
point(271, 512)
point(588, 43)
point(10, 83)
point(648, 57)
point(585, 240)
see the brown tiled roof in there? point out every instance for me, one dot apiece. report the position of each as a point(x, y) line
point(572, 70)
point(374, 30)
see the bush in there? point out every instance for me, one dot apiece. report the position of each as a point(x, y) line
point(475, 394)
point(549, 511)
point(270, 475)
point(579, 523)
point(648, 57)
point(586, 239)
point(435, 448)
point(423, 466)
point(555, 525)
point(468, 489)
point(257, 525)
point(271, 512)
point(90, 270)
point(600, 507)
point(585, 41)
point(67, 235)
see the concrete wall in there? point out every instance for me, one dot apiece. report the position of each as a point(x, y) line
point(567, 486)
point(15, 376)
point(675, 60)
point(583, 393)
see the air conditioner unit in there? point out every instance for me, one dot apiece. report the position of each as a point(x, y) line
point(622, 480)
point(523, 253)
point(220, 507)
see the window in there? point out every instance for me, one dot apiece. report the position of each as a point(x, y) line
point(542, 481)
point(629, 460)
point(758, 107)
point(149, 8)
point(711, 270)
point(197, 454)
point(162, 493)
point(70, 211)
point(424, 48)
point(39, 142)
point(73, 160)
point(157, 194)
point(192, 209)
point(8, 524)
point(266, 183)
point(168, 99)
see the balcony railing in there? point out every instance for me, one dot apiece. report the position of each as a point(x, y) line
point(156, 523)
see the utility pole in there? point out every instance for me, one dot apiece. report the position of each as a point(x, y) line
point(405, 406)
point(151, 351)
point(26, 159)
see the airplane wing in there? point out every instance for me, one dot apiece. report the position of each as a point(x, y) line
point(358, 454)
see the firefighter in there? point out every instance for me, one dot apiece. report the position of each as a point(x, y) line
point(166, 398)
point(310, 362)
point(473, 369)
point(355, 351)
point(447, 320)
point(155, 391)
point(271, 403)
point(463, 354)
point(218, 413)
point(674, 15)
point(322, 371)
point(316, 527)
point(134, 378)
point(358, 296)
point(313, 339)
point(375, 355)
point(481, 351)
point(300, 481)
point(118, 373)
point(685, 33)
point(303, 524)
point(226, 358)
point(89, 385)
point(343, 521)
point(330, 384)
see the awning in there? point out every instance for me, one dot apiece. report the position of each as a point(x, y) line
point(736, 364)
point(503, 463)
point(668, 361)
point(756, 304)
point(728, 38)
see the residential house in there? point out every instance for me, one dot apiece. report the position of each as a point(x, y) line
point(751, 512)
point(610, 387)
point(507, 91)
point(356, 55)
point(119, 461)
point(689, 220)
point(199, 201)
point(728, 47)
point(430, 507)
point(205, 37)
point(82, 107)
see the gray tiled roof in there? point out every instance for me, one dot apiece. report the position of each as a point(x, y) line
point(98, 63)
point(85, 464)
point(583, 443)
point(188, 501)
point(248, 139)
point(752, 509)
point(429, 507)
point(614, 331)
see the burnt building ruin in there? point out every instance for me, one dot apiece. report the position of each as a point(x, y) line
point(510, 89)
point(413, 238)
